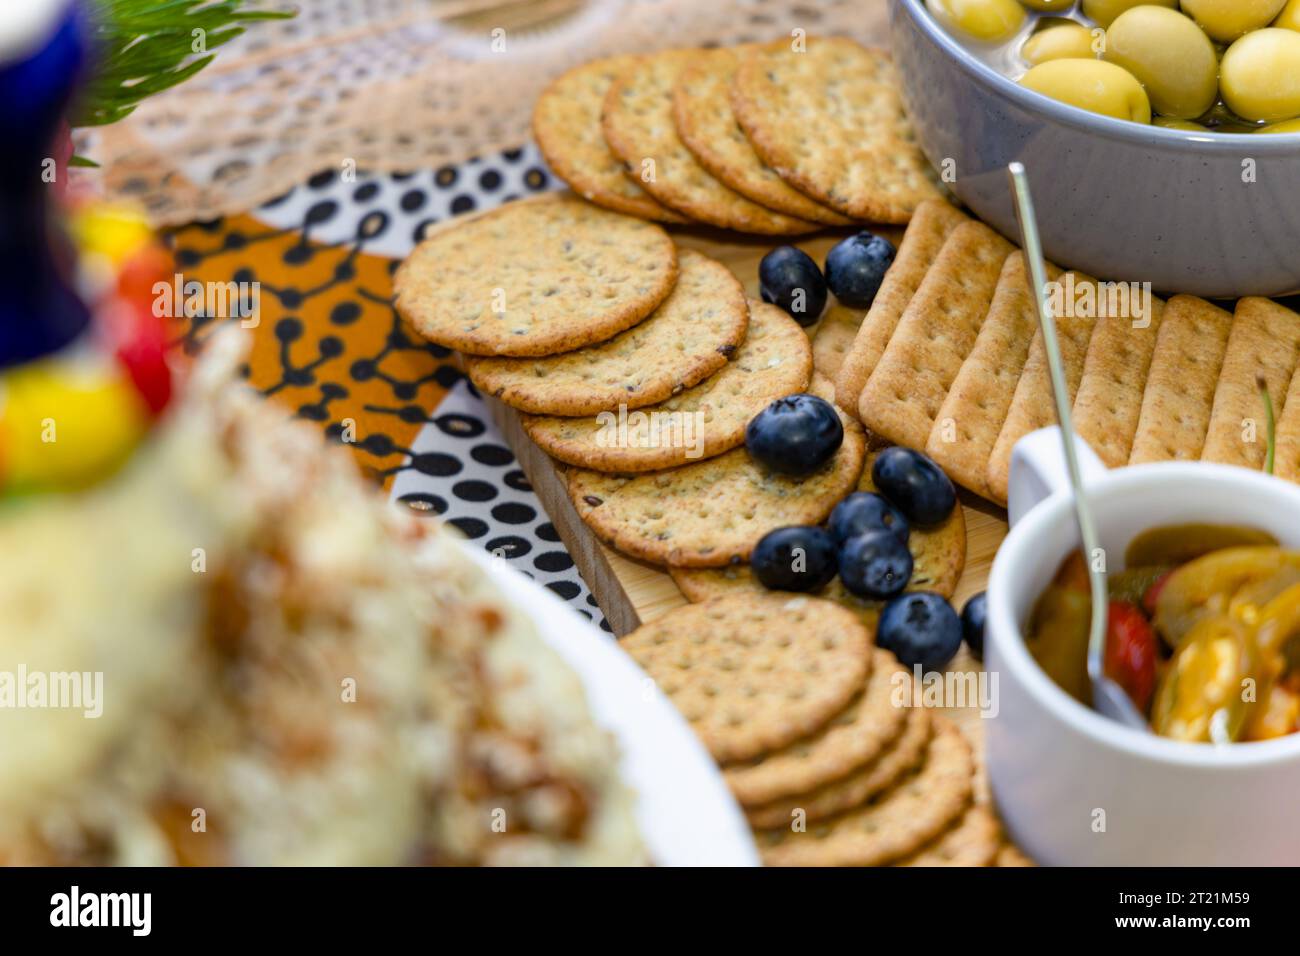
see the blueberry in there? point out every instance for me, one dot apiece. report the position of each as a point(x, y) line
point(856, 267)
point(973, 616)
point(875, 565)
point(915, 485)
point(789, 278)
point(920, 628)
point(795, 435)
point(863, 511)
point(797, 558)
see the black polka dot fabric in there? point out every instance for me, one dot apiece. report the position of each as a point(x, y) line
point(459, 466)
point(334, 203)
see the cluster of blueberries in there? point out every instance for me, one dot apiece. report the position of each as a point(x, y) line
point(866, 541)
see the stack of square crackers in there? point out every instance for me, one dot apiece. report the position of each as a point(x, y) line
point(949, 359)
point(777, 139)
point(818, 735)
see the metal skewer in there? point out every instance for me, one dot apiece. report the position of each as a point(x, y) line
point(1108, 698)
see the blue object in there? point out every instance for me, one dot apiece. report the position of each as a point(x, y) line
point(973, 618)
point(794, 435)
point(789, 279)
point(920, 628)
point(863, 511)
point(856, 267)
point(39, 311)
point(875, 565)
point(915, 485)
point(794, 558)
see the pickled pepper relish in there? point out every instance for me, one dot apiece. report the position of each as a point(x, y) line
point(1203, 632)
point(1230, 66)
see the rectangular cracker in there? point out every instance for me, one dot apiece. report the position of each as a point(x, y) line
point(1181, 382)
point(833, 339)
point(931, 225)
point(1264, 340)
point(1033, 407)
point(971, 416)
point(1109, 402)
point(935, 334)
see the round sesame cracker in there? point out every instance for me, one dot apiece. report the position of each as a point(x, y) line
point(700, 422)
point(858, 155)
point(711, 513)
point(897, 823)
point(902, 756)
point(857, 735)
point(566, 125)
point(706, 124)
point(639, 128)
point(972, 841)
point(535, 277)
point(688, 338)
point(754, 673)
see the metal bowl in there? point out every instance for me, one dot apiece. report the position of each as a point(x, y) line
point(1210, 214)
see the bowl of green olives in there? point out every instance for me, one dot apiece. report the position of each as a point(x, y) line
point(1161, 137)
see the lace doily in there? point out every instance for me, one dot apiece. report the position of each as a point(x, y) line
point(397, 85)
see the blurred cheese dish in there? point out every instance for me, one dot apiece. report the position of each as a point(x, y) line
point(292, 671)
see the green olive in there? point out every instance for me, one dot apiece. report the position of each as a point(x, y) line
point(1286, 126)
point(1104, 12)
point(1093, 85)
point(1048, 6)
point(1170, 56)
point(1260, 75)
point(1226, 20)
point(1169, 122)
point(991, 21)
point(1289, 18)
point(1072, 42)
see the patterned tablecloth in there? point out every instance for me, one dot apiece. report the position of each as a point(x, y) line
point(329, 344)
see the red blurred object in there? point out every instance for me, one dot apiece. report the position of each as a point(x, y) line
point(138, 339)
point(1153, 593)
point(1131, 652)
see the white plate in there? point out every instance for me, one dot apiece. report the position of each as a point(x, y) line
point(685, 812)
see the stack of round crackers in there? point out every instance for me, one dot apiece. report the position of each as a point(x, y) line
point(817, 734)
point(638, 366)
point(776, 139)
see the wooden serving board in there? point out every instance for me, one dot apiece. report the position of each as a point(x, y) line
point(631, 592)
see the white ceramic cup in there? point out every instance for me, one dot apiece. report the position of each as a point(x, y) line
point(1078, 789)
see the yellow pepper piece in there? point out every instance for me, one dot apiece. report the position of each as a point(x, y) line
point(1200, 697)
point(63, 425)
point(113, 230)
point(1205, 586)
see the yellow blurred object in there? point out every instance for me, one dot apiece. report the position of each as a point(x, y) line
point(1171, 122)
point(64, 424)
point(990, 21)
point(1260, 75)
point(1104, 12)
point(1199, 698)
point(1286, 126)
point(1093, 85)
point(1289, 18)
point(1170, 56)
point(1048, 6)
point(113, 230)
point(1071, 41)
point(1226, 20)
point(1276, 716)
